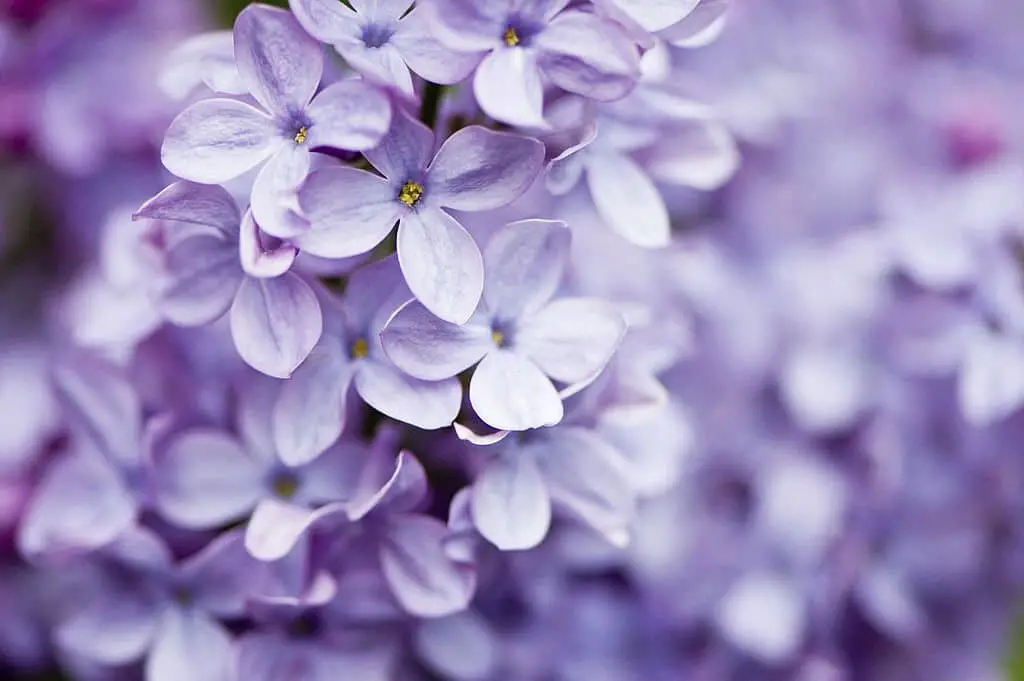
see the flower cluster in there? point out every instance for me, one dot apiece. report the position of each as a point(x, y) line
point(458, 343)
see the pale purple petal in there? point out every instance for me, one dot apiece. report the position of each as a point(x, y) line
point(654, 15)
point(200, 204)
point(202, 277)
point(379, 10)
point(467, 25)
point(585, 54)
point(424, 404)
point(383, 64)
point(511, 507)
point(310, 411)
point(325, 20)
point(572, 339)
point(479, 169)
point(509, 392)
point(428, 57)
point(273, 196)
point(257, 259)
point(80, 504)
point(351, 115)
point(991, 385)
point(699, 28)
point(276, 527)
point(461, 647)
point(764, 615)
point(275, 323)
point(508, 87)
point(206, 58)
point(702, 155)
point(350, 211)
point(113, 628)
point(189, 644)
point(524, 262)
point(587, 478)
point(627, 199)
point(426, 347)
point(203, 478)
point(406, 150)
point(373, 293)
point(423, 579)
point(388, 484)
point(277, 60)
point(441, 263)
point(565, 170)
point(216, 140)
point(221, 577)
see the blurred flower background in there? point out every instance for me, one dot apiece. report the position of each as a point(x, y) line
point(816, 420)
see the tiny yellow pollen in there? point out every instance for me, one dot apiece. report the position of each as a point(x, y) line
point(511, 37)
point(411, 193)
point(498, 337)
point(301, 135)
point(360, 348)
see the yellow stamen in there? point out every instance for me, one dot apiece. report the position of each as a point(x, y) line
point(360, 348)
point(510, 37)
point(411, 193)
point(498, 337)
point(285, 486)
point(300, 136)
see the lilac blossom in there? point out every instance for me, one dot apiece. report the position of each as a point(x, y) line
point(350, 211)
point(222, 261)
point(215, 140)
point(310, 414)
point(521, 338)
point(383, 41)
point(519, 44)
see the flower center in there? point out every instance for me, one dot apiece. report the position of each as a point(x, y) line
point(376, 35)
point(511, 36)
point(411, 193)
point(301, 134)
point(285, 485)
point(360, 348)
point(498, 336)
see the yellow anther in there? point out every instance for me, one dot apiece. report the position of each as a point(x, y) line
point(498, 337)
point(510, 37)
point(301, 135)
point(411, 193)
point(285, 486)
point(360, 348)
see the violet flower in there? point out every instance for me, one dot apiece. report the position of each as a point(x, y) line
point(520, 43)
point(521, 339)
point(215, 140)
point(350, 211)
point(220, 263)
point(383, 41)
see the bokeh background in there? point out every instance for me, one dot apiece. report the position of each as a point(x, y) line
point(855, 292)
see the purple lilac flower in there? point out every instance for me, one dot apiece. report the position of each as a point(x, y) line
point(221, 260)
point(519, 43)
point(310, 414)
point(521, 338)
point(383, 40)
point(687, 23)
point(215, 140)
point(350, 211)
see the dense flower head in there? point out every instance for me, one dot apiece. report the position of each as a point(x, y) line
point(510, 339)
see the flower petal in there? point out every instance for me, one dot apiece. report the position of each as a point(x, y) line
point(258, 261)
point(310, 411)
point(200, 204)
point(325, 20)
point(508, 87)
point(700, 154)
point(272, 200)
point(467, 25)
point(206, 58)
point(424, 404)
point(276, 527)
point(479, 169)
point(202, 277)
point(216, 140)
point(350, 115)
point(583, 53)
point(275, 323)
point(427, 56)
point(405, 151)
point(221, 576)
point(700, 27)
point(423, 579)
point(115, 627)
point(565, 170)
point(426, 347)
point(627, 199)
point(383, 64)
point(991, 382)
point(654, 15)
point(572, 339)
point(509, 392)
point(189, 644)
point(441, 263)
point(349, 211)
point(511, 507)
point(203, 479)
point(524, 262)
point(277, 60)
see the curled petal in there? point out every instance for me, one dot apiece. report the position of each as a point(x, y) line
point(200, 204)
point(276, 527)
point(259, 261)
point(273, 196)
point(426, 347)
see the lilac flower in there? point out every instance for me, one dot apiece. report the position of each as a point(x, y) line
point(350, 211)
point(215, 140)
point(521, 340)
point(221, 261)
point(206, 59)
point(686, 23)
point(383, 40)
point(310, 413)
point(519, 43)
point(139, 603)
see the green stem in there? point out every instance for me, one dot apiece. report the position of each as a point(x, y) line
point(432, 95)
